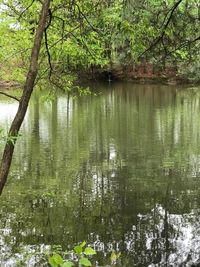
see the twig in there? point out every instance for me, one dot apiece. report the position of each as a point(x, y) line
point(164, 28)
point(182, 45)
point(46, 42)
point(13, 97)
point(40, 76)
point(89, 23)
point(27, 8)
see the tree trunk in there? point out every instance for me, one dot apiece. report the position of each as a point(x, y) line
point(24, 101)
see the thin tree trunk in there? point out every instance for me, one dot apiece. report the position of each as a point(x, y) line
point(24, 101)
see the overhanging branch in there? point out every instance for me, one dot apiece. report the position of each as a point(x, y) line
point(160, 38)
point(10, 96)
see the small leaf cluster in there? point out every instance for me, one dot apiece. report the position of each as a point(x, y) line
point(9, 139)
point(82, 253)
point(114, 257)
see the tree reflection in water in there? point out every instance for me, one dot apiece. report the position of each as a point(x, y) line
point(120, 171)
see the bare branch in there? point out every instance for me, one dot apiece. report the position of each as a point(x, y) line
point(26, 9)
point(12, 8)
point(10, 96)
point(46, 42)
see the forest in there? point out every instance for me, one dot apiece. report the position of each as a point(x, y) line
point(99, 133)
point(130, 39)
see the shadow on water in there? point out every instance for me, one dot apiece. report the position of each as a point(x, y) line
point(119, 170)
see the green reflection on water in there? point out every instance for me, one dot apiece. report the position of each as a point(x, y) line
point(120, 170)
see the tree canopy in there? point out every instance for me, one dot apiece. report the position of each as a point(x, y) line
point(83, 35)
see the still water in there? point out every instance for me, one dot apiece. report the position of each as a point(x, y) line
point(119, 170)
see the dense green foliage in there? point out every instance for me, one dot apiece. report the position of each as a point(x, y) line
point(89, 35)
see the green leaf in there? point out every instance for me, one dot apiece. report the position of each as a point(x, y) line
point(83, 244)
point(58, 259)
point(89, 251)
point(118, 255)
point(78, 250)
point(85, 262)
point(67, 264)
point(113, 257)
point(52, 262)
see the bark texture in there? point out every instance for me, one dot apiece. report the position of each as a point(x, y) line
point(24, 101)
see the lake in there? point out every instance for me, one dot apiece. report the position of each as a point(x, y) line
point(119, 169)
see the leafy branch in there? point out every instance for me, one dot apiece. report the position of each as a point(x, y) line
point(82, 252)
point(166, 24)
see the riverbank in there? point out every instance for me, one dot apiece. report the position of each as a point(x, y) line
point(145, 73)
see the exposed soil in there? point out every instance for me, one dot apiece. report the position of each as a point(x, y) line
point(142, 73)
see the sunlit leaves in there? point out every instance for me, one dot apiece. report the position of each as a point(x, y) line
point(82, 252)
point(78, 250)
point(55, 260)
point(67, 264)
point(89, 251)
point(114, 257)
point(85, 262)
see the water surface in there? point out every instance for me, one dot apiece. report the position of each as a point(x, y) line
point(120, 170)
